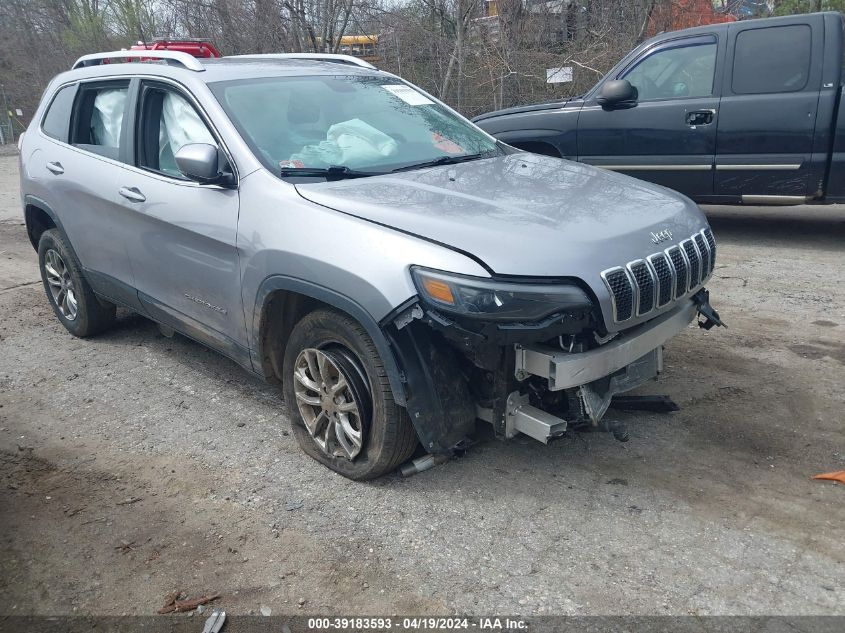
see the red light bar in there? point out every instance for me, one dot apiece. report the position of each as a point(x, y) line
point(198, 48)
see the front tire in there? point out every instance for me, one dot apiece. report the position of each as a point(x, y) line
point(340, 401)
point(71, 297)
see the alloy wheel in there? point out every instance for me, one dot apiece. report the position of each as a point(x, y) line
point(332, 399)
point(61, 285)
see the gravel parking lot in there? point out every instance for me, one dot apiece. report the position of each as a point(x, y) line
point(132, 465)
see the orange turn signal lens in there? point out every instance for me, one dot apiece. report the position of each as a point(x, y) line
point(438, 290)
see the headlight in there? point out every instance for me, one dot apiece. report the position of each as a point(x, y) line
point(496, 300)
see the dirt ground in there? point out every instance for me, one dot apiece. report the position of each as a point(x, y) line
point(132, 465)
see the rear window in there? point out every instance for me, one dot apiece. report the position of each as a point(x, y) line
point(56, 121)
point(773, 59)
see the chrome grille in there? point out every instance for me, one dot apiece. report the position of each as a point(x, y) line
point(705, 255)
point(679, 263)
point(665, 279)
point(711, 244)
point(644, 285)
point(694, 263)
point(621, 291)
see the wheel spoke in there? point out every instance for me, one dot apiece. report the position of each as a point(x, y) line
point(305, 381)
point(349, 438)
point(316, 424)
point(347, 407)
point(339, 386)
point(71, 303)
point(323, 363)
point(313, 401)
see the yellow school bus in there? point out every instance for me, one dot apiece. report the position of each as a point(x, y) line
point(363, 46)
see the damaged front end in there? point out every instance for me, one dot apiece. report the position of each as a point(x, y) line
point(531, 358)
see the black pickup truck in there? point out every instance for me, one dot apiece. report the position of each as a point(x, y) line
point(745, 112)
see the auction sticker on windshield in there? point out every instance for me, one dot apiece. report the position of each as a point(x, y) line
point(408, 94)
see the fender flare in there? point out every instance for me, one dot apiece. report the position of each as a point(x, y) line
point(46, 208)
point(340, 302)
point(28, 200)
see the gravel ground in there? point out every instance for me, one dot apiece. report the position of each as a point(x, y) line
point(132, 465)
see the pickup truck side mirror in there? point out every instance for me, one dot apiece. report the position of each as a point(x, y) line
point(200, 162)
point(617, 93)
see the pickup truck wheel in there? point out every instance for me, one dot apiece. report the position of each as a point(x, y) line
point(340, 402)
point(70, 295)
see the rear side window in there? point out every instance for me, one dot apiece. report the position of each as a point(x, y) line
point(99, 117)
point(56, 123)
point(774, 59)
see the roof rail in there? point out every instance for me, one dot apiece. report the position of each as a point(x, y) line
point(95, 59)
point(321, 57)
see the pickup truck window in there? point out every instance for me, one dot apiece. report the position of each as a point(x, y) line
point(771, 60)
point(681, 71)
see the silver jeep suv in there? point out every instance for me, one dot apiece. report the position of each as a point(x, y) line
point(330, 227)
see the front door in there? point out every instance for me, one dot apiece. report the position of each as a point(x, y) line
point(668, 136)
point(767, 117)
point(183, 247)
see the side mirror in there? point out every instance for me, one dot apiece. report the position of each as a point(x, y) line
point(617, 92)
point(200, 162)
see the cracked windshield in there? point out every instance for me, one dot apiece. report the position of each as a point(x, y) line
point(366, 124)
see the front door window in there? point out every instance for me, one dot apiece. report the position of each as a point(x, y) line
point(683, 71)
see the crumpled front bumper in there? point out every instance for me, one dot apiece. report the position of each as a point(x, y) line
point(620, 365)
point(564, 370)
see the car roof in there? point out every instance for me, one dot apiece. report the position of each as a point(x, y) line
point(220, 69)
point(228, 68)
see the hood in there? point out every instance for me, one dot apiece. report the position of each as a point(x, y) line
point(548, 105)
point(522, 214)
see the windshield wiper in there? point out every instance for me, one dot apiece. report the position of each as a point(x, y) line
point(332, 172)
point(443, 160)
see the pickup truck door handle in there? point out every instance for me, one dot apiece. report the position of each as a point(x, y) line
point(56, 168)
point(700, 117)
point(132, 194)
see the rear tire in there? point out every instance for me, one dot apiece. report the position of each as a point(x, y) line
point(71, 297)
point(327, 421)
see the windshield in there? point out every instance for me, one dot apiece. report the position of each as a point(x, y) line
point(364, 123)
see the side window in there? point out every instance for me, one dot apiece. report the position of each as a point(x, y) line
point(56, 122)
point(773, 59)
point(98, 118)
point(683, 71)
point(167, 122)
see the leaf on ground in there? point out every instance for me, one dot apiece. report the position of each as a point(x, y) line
point(839, 476)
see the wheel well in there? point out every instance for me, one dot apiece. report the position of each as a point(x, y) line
point(37, 221)
point(281, 311)
point(538, 147)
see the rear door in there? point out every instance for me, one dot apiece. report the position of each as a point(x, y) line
point(183, 247)
point(669, 135)
point(767, 117)
point(81, 164)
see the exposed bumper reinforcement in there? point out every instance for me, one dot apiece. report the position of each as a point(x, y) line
point(564, 370)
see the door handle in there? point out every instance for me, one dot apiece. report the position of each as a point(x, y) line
point(56, 168)
point(700, 117)
point(132, 194)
